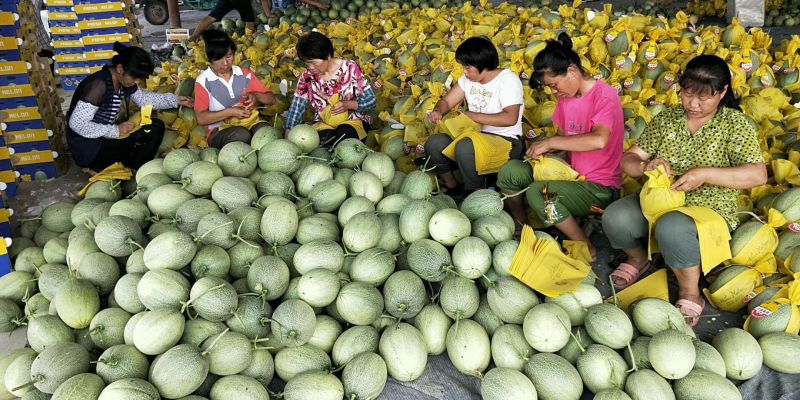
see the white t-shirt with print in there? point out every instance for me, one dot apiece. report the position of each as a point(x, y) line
point(491, 98)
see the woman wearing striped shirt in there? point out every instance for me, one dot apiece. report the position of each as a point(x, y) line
point(97, 133)
point(325, 77)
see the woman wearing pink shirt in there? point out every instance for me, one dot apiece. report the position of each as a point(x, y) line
point(589, 118)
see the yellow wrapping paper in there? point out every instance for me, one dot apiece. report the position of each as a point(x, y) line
point(785, 171)
point(546, 168)
point(331, 121)
point(491, 152)
point(736, 293)
point(243, 122)
point(541, 265)
point(788, 295)
point(115, 171)
point(656, 197)
point(712, 233)
point(653, 286)
point(758, 252)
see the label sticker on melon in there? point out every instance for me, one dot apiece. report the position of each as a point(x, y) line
point(794, 227)
point(650, 53)
point(406, 149)
point(598, 76)
point(747, 66)
point(764, 310)
point(750, 296)
point(789, 71)
point(628, 83)
point(611, 36)
point(652, 65)
point(620, 61)
point(420, 149)
point(669, 78)
point(776, 68)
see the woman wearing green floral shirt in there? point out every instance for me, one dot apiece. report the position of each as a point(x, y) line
point(713, 152)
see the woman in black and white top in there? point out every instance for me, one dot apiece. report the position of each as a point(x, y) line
point(95, 136)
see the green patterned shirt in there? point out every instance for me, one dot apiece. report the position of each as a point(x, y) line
point(726, 140)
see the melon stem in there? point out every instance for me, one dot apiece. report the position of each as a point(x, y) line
point(203, 236)
point(574, 337)
point(187, 303)
point(33, 381)
point(633, 359)
point(514, 194)
point(214, 343)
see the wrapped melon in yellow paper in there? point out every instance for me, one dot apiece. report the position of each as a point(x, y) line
point(754, 242)
point(551, 168)
point(733, 287)
point(657, 197)
point(781, 314)
point(540, 264)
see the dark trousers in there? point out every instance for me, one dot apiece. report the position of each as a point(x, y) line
point(465, 158)
point(327, 137)
point(133, 151)
point(230, 134)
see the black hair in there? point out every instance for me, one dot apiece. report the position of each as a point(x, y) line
point(478, 52)
point(709, 74)
point(314, 46)
point(556, 57)
point(218, 44)
point(135, 61)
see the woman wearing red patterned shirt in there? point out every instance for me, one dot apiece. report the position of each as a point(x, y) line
point(325, 79)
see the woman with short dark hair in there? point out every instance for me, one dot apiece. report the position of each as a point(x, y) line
point(327, 78)
point(98, 134)
point(714, 152)
point(494, 101)
point(590, 124)
point(225, 91)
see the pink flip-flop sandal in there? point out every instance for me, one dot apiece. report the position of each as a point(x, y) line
point(691, 310)
point(628, 274)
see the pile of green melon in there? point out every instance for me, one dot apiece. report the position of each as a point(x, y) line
point(225, 274)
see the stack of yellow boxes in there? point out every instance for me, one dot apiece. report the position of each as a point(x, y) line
point(84, 33)
point(31, 120)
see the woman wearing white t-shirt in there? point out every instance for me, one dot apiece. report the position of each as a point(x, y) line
point(494, 100)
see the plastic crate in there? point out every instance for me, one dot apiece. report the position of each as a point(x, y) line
point(69, 58)
point(105, 23)
point(71, 82)
point(5, 260)
point(28, 147)
point(10, 55)
point(19, 102)
point(105, 31)
point(102, 15)
point(8, 5)
point(59, 3)
point(99, 55)
point(14, 73)
point(65, 31)
point(20, 119)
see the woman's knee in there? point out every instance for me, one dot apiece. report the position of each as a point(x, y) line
point(676, 234)
point(514, 175)
point(437, 143)
point(622, 212)
point(675, 226)
point(465, 150)
point(239, 134)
